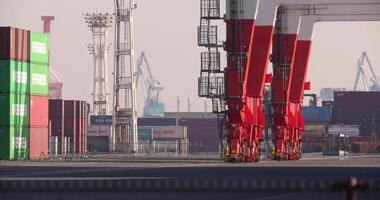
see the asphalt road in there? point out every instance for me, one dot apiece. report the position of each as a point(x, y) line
point(316, 168)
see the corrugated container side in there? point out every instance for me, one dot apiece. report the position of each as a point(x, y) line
point(56, 116)
point(14, 143)
point(70, 122)
point(58, 129)
point(351, 130)
point(14, 109)
point(314, 130)
point(316, 114)
point(101, 120)
point(39, 111)
point(355, 98)
point(39, 44)
point(14, 44)
point(201, 131)
point(39, 142)
point(145, 121)
point(84, 127)
point(168, 132)
point(39, 79)
point(14, 77)
point(78, 127)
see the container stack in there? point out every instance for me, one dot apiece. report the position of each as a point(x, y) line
point(14, 89)
point(22, 112)
point(39, 91)
point(68, 119)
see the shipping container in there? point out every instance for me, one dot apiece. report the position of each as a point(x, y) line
point(39, 142)
point(14, 109)
point(145, 133)
point(56, 108)
point(39, 44)
point(14, 77)
point(39, 79)
point(101, 120)
point(99, 130)
point(78, 127)
point(201, 131)
point(56, 119)
point(98, 144)
point(316, 114)
point(84, 119)
point(14, 143)
point(168, 132)
point(191, 115)
point(350, 130)
point(314, 130)
point(70, 125)
point(159, 121)
point(39, 111)
point(355, 98)
point(14, 44)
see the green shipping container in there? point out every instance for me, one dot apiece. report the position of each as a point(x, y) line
point(39, 79)
point(39, 44)
point(14, 109)
point(145, 134)
point(14, 143)
point(14, 76)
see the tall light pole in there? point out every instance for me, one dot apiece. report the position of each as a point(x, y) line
point(99, 24)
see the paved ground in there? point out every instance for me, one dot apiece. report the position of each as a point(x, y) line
point(310, 168)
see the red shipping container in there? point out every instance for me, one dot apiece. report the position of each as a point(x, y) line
point(39, 111)
point(38, 141)
point(56, 108)
point(78, 127)
point(56, 120)
point(84, 125)
point(14, 44)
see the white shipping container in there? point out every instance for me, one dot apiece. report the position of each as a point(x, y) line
point(350, 130)
point(169, 132)
point(98, 130)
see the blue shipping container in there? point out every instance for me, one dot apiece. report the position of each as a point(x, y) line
point(101, 120)
point(156, 121)
point(316, 114)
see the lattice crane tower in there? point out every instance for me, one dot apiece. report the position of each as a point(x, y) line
point(124, 94)
point(99, 24)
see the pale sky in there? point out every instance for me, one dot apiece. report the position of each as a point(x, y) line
point(166, 30)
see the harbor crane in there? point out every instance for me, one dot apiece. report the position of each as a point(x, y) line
point(371, 84)
point(152, 89)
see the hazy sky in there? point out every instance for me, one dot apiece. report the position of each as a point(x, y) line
point(166, 30)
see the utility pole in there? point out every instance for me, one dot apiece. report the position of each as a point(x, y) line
point(124, 123)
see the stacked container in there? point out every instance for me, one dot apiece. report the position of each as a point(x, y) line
point(39, 91)
point(14, 90)
point(68, 119)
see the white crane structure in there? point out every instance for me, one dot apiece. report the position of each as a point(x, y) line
point(124, 123)
point(99, 24)
point(370, 84)
point(151, 89)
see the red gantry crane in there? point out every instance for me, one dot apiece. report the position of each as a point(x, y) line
point(250, 31)
point(287, 120)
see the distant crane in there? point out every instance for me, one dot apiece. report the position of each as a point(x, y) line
point(55, 84)
point(151, 89)
point(371, 84)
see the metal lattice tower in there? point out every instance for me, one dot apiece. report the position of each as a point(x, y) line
point(99, 24)
point(124, 94)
